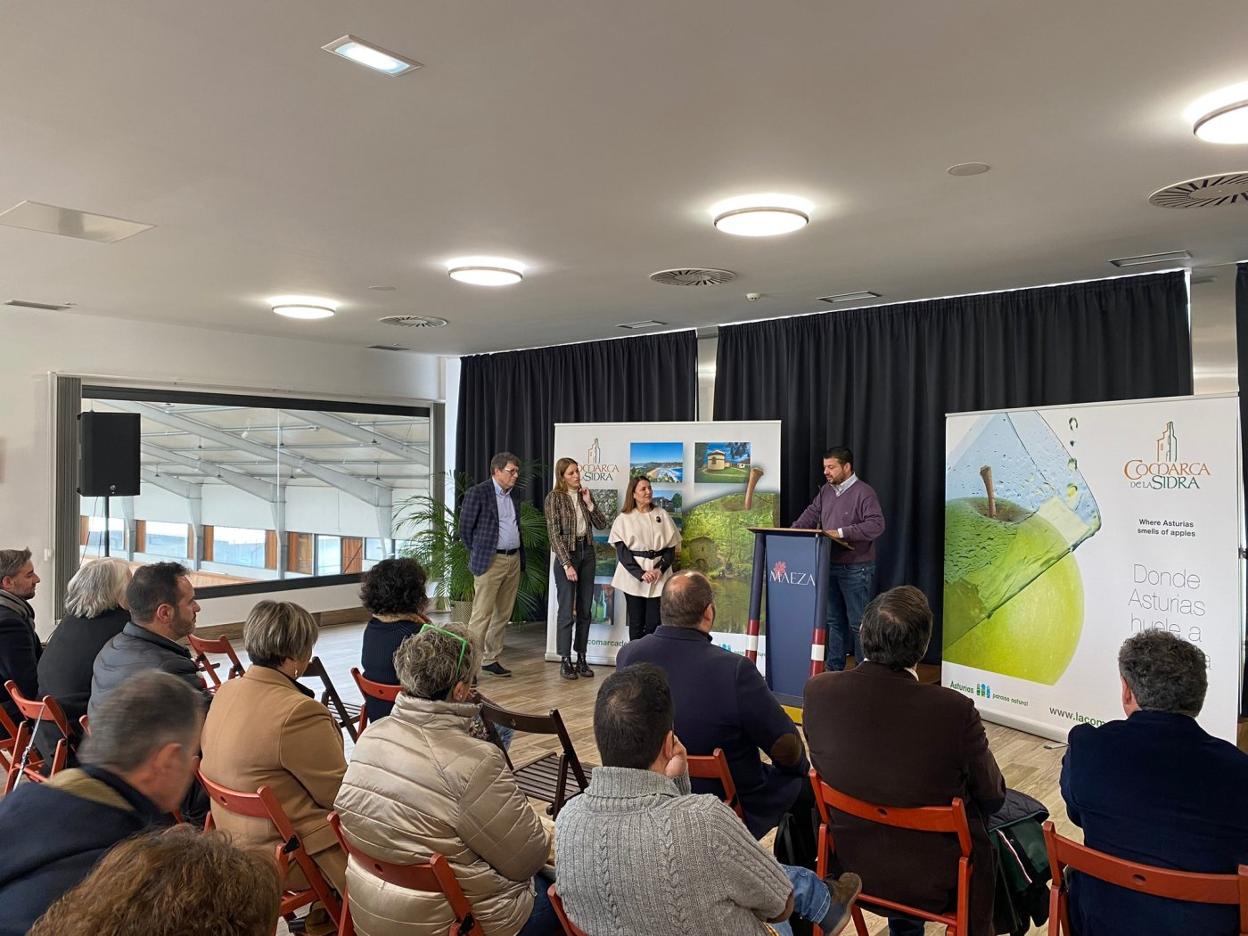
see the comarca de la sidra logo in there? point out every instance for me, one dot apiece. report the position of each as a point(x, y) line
point(780, 573)
point(1166, 472)
point(594, 469)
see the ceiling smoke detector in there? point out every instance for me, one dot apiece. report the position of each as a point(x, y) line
point(1228, 188)
point(413, 321)
point(693, 276)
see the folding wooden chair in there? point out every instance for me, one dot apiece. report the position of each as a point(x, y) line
point(950, 820)
point(26, 760)
point(546, 778)
point(204, 646)
point(263, 804)
point(382, 692)
point(1143, 879)
point(434, 875)
point(8, 740)
point(715, 767)
point(569, 928)
point(347, 712)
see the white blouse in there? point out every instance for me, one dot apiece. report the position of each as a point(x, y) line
point(649, 531)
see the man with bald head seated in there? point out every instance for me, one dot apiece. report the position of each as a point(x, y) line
point(722, 701)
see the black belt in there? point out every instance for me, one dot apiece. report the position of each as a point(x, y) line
point(647, 553)
point(507, 552)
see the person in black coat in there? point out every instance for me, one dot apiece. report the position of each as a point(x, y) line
point(1157, 789)
point(393, 592)
point(95, 602)
point(20, 648)
point(136, 767)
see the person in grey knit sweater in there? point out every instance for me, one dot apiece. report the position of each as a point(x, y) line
point(639, 854)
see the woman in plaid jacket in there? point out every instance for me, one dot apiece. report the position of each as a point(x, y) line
point(570, 516)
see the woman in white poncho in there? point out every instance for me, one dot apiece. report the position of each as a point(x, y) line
point(645, 541)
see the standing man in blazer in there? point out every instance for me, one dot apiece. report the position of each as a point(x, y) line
point(489, 523)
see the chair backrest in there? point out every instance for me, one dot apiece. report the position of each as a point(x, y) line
point(550, 724)
point(46, 709)
point(949, 820)
point(569, 928)
point(24, 760)
point(330, 697)
point(263, 804)
point(434, 875)
point(382, 692)
point(206, 645)
point(715, 767)
point(1231, 889)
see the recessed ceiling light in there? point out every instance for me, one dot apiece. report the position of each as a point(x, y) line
point(1145, 259)
point(372, 56)
point(968, 169)
point(763, 215)
point(634, 326)
point(850, 296)
point(486, 271)
point(1221, 116)
point(303, 307)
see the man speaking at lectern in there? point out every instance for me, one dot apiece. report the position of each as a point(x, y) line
point(847, 508)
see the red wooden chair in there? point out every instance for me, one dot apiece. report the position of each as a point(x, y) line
point(263, 804)
point(86, 725)
point(8, 740)
point(204, 646)
point(715, 767)
point(1143, 879)
point(25, 758)
point(382, 692)
point(434, 875)
point(569, 928)
point(950, 820)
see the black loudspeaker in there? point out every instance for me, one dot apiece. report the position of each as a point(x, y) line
point(108, 454)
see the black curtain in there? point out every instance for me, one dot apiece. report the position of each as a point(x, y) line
point(511, 401)
point(1241, 360)
point(881, 381)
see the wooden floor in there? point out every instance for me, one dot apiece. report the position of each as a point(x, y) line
point(1030, 764)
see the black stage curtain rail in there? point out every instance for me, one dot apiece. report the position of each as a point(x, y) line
point(512, 400)
point(881, 380)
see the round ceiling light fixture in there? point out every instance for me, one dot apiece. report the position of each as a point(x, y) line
point(764, 215)
point(486, 271)
point(1221, 116)
point(968, 169)
point(303, 307)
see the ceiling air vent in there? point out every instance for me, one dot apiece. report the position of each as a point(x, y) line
point(692, 276)
point(861, 296)
point(1229, 188)
point(387, 347)
point(413, 321)
point(42, 306)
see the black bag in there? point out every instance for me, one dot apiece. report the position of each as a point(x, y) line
point(1022, 864)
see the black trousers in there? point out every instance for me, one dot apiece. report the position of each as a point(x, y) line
point(643, 616)
point(575, 599)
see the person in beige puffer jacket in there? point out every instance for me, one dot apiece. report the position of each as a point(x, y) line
point(420, 783)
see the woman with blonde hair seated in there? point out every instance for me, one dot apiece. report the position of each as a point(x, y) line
point(179, 882)
point(420, 784)
point(265, 729)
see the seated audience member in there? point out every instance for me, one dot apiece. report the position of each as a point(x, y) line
point(178, 882)
point(265, 729)
point(721, 700)
point(1158, 789)
point(20, 648)
point(638, 853)
point(878, 734)
point(136, 766)
point(394, 594)
point(95, 613)
point(419, 783)
point(162, 611)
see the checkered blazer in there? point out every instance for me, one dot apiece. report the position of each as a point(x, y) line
point(478, 526)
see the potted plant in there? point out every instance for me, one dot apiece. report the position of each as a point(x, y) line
point(431, 526)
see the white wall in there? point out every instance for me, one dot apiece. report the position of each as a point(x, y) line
point(36, 344)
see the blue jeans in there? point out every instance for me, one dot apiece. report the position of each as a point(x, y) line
point(542, 921)
point(850, 589)
point(811, 898)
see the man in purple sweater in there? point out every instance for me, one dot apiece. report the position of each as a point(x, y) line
point(847, 508)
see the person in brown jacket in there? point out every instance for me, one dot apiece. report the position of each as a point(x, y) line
point(264, 729)
point(419, 784)
point(878, 734)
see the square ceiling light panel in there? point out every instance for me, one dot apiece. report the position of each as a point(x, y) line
point(51, 219)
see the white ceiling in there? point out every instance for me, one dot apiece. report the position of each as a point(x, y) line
point(588, 138)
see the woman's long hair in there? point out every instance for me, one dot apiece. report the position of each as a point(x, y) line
point(630, 502)
point(562, 465)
